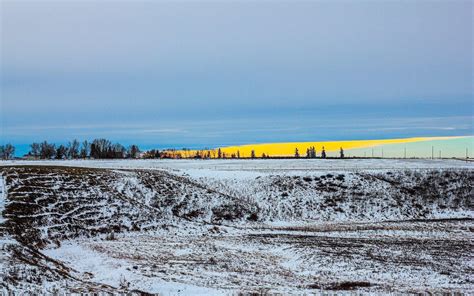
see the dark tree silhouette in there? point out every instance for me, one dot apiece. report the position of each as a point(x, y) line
point(94, 153)
point(61, 152)
point(47, 151)
point(297, 154)
point(7, 151)
point(152, 154)
point(103, 148)
point(35, 150)
point(323, 153)
point(341, 153)
point(73, 149)
point(252, 154)
point(85, 149)
point(133, 151)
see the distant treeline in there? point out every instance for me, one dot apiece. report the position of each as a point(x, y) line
point(98, 149)
point(105, 149)
point(219, 154)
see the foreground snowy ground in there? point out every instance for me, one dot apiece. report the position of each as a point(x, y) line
point(193, 227)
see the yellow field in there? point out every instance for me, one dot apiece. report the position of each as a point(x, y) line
point(288, 149)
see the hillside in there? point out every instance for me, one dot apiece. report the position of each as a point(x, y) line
point(201, 230)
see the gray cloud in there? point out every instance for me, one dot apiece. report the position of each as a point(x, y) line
point(90, 68)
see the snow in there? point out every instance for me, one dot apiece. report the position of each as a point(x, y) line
point(118, 272)
point(313, 226)
point(282, 261)
point(259, 165)
point(3, 197)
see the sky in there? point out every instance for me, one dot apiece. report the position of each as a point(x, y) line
point(214, 73)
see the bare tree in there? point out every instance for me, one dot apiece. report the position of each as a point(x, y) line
point(35, 149)
point(7, 151)
point(85, 149)
point(73, 149)
point(47, 150)
point(61, 152)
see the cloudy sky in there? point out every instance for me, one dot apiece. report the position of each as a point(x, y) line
point(196, 73)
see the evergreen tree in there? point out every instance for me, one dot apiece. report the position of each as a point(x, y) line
point(252, 154)
point(323, 153)
point(341, 152)
point(311, 152)
point(133, 151)
point(297, 154)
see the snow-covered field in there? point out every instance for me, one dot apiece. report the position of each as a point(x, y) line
point(301, 164)
point(194, 227)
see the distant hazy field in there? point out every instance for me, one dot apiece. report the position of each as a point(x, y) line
point(415, 147)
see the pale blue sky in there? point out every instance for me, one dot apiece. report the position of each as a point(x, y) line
point(216, 73)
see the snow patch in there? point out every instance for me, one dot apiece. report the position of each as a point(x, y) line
point(3, 197)
point(119, 272)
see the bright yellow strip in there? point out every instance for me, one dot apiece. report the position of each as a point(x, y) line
point(288, 149)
